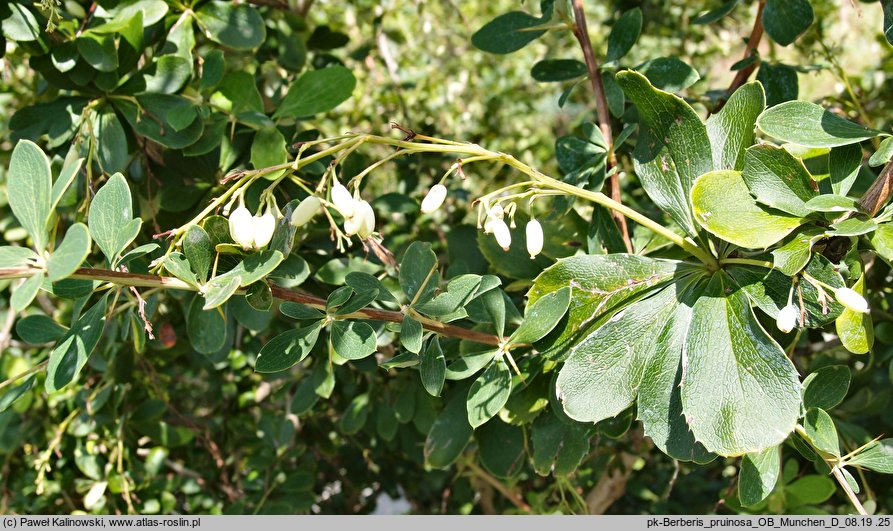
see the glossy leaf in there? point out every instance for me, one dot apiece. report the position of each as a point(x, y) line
point(416, 277)
point(669, 73)
point(432, 368)
point(731, 129)
point(25, 292)
point(821, 432)
point(110, 212)
point(723, 205)
point(449, 435)
point(809, 125)
point(501, 448)
point(288, 348)
point(38, 329)
point(411, 334)
point(541, 318)
point(317, 91)
point(489, 392)
point(785, 20)
point(826, 387)
point(624, 34)
point(198, 251)
point(558, 448)
point(550, 70)
point(206, 328)
point(778, 180)
point(353, 340)
point(507, 33)
point(878, 456)
point(236, 26)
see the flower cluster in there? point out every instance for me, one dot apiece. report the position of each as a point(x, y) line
point(359, 218)
point(252, 232)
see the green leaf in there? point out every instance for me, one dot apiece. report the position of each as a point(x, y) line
point(507, 33)
point(11, 257)
point(501, 448)
point(468, 364)
point(740, 393)
point(758, 475)
point(300, 311)
point(28, 185)
point(843, 165)
point(809, 490)
point(550, 70)
point(878, 456)
point(358, 301)
point(731, 129)
point(489, 392)
point(169, 73)
point(826, 387)
point(21, 25)
point(852, 227)
point(74, 348)
point(10, 397)
point(25, 293)
point(785, 20)
point(268, 149)
point(152, 119)
point(287, 349)
point(177, 265)
point(558, 447)
point(673, 149)
point(317, 91)
point(881, 240)
point(98, 51)
point(601, 376)
point(219, 289)
point(449, 435)
point(239, 27)
point(199, 251)
point(793, 256)
point(809, 125)
point(238, 94)
point(600, 284)
point(110, 212)
point(353, 340)
point(355, 416)
point(778, 180)
point(401, 361)
point(669, 73)
point(433, 368)
point(832, 203)
point(459, 292)
point(152, 10)
point(540, 318)
point(416, 277)
point(411, 334)
point(883, 154)
point(855, 329)
point(66, 177)
point(723, 205)
point(110, 142)
point(821, 432)
point(779, 81)
point(659, 395)
point(70, 254)
point(38, 329)
point(716, 13)
point(257, 266)
point(362, 282)
point(206, 328)
point(624, 34)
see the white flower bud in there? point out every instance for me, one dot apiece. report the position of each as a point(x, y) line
point(434, 199)
point(502, 233)
point(264, 226)
point(488, 225)
point(241, 227)
point(344, 202)
point(787, 318)
point(305, 211)
point(352, 225)
point(534, 238)
point(851, 300)
point(366, 216)
point(497, 212)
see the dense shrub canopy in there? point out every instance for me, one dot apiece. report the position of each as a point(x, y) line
point(289, 256)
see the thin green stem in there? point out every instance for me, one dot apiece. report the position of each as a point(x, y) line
point(835, 463)
point(747, 261)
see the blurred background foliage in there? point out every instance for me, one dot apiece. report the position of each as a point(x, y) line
point(170, 430)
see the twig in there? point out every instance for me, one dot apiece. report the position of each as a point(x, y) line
point(581, 32)
point(153, 281)
point(753, 42)
point(498, 486)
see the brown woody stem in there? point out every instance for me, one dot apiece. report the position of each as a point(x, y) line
point(154, 281)
point(581, 32)
point(753, 42)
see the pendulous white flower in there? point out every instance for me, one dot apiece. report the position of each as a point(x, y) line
point(534, 238)
point(787, 318)
point(502, 233)
point(851, 299)
point(366, 217)
point(241, 227)
point(434, 199)
point(264, 226)
point(344, 202)
point(497, 212)
point(305, 211)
